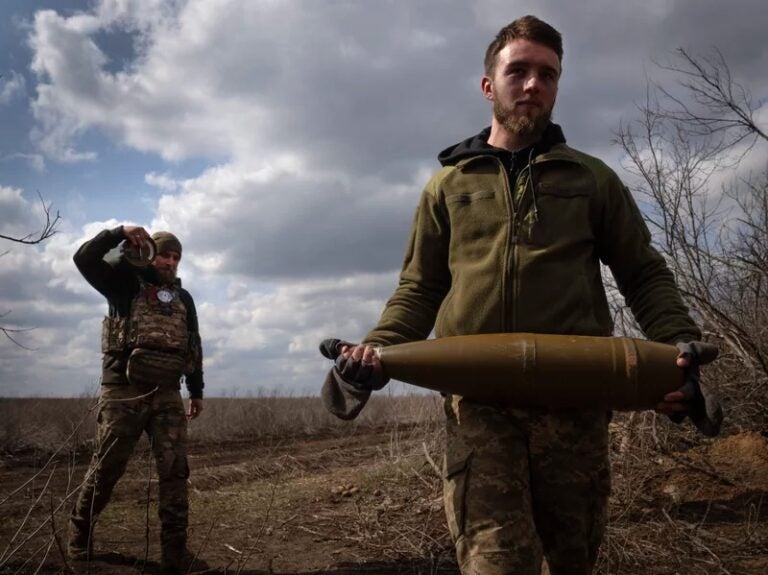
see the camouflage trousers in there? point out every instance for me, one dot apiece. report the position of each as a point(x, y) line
point(520, 485)
point(121, 421)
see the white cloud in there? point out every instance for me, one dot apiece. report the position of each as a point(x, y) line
point(312, 127)
point(16, 214)
point(12, 87)
point(161, 181)
point(35, 161)
point(255, 334)
point(199, 86)
point(357, 80)
point(44, 294)
point(271, 337)
point(279, 220)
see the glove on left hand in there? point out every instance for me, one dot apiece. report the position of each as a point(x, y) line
point(704, 408)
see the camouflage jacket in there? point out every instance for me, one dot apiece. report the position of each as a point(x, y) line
point(498, 248)
point(118, 281)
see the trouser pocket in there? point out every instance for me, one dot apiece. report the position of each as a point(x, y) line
point(455, 482)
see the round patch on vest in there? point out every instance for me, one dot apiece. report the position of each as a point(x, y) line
point(165, 295)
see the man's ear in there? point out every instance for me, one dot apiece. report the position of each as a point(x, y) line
point(486, 86)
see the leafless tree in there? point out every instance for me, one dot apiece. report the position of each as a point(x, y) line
point(686, 149)
point(715, 104)
point(11, 332)
point(48, 229)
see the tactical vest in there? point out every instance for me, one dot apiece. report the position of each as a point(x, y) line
point(155, 335)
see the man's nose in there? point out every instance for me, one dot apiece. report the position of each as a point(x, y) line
point(532, 83)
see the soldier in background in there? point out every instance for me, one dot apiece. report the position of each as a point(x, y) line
point(508, 237)
point(150, 340)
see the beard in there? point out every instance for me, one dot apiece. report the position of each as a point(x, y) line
point(166, 276)
point(529, 127)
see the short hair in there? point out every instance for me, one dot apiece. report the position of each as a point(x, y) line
point(527, 28)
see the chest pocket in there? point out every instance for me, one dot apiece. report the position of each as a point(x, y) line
point(468, 198)
point(476, 218)
point(563, 216)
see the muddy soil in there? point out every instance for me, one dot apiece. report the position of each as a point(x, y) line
point(370, 502)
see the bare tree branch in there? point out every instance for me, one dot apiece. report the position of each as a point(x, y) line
point(716, 103)
point(8, 332)
point(48, 229)
point(714, 237)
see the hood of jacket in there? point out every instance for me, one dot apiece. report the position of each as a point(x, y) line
point(478, 145)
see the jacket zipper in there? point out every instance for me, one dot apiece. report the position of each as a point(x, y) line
point(515, 239)
point(507, 302)
point(513, 260)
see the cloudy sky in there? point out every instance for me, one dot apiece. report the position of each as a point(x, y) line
point(286, 142)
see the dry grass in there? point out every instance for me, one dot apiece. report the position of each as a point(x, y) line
point(42, 425)
point(278, 480)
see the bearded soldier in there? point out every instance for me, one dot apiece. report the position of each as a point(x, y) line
point(508, 237)
point(150, 340)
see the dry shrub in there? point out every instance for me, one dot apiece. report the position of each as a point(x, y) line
point(648, 533)
point(227, 419)
point(44, 424)
point(661, 518)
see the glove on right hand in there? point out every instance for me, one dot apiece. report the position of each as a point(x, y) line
point(331, 347)
point(360, 373)
point(704, 408)
point(356, 372)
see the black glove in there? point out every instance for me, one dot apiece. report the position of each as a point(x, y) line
point(354, 371)
point(703, 407)
point(331, 347)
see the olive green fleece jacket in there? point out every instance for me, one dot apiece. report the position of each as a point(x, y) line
point(490, 255)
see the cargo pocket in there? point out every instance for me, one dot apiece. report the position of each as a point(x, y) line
point(172, 463)
point(455, 483)
point(117, 419)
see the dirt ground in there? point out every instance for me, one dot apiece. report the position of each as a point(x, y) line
point(370, 502)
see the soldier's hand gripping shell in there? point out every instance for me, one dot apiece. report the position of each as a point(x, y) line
point(700, 403)
point(331, 347)
point(139, 249)
point(356, 364)
point(360, 366)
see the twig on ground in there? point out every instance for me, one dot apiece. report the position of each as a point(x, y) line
point(58, 507)
point(45, 556)
point(150, 453)
point(39, 549)
point(247, 556)
point(56, 537)
point(430, 460)
point(5, 556)
point(52, 457)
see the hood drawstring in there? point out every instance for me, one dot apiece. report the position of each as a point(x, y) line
point(533, 187)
